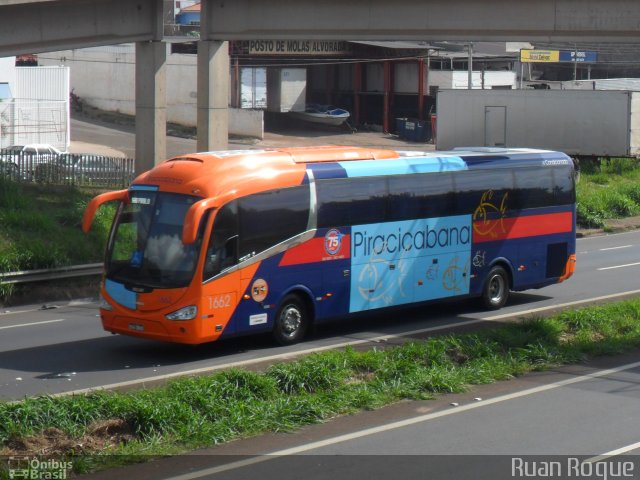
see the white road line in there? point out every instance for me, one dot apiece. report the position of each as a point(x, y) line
point(564, 305)
point(620, 266)
point(614, 453)
point(402, 423)
point(290, 355)
point(615, 248)
point(32, 324)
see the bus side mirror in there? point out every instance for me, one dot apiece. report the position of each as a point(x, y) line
point(192, 220)
point(96, 202)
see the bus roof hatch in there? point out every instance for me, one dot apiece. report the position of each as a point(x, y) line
point(337, 154)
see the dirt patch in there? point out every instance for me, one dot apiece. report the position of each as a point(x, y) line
point(622, 224)
point(614, 225)
point(54, 442)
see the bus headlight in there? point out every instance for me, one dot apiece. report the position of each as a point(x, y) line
point(104, 305)
point(186, 313)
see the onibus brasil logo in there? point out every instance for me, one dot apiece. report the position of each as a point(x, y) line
point(34, 468)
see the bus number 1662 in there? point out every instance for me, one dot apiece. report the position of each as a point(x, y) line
point(220, 301)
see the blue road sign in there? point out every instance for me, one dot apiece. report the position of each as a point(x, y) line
point(579, 56)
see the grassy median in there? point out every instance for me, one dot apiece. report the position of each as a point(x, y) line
point(41, 228)
point(608, 189)
point(103, 428)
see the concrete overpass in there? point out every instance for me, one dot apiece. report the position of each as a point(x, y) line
point(33, 26)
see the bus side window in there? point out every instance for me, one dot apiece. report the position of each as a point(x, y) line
point(421, 196)
point(352, 201)
point(534, 187)
point(269, 218)
point(488, 187)
point(564, 190)
point(222, 251)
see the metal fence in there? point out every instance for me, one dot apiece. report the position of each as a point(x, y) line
point(67, 169)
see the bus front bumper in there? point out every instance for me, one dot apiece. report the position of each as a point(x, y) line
point(165, 330)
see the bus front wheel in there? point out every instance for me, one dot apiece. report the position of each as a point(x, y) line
point(496, 288)
point(292, 321)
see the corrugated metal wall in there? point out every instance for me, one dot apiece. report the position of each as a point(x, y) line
point(42, 83)
point(41, 107)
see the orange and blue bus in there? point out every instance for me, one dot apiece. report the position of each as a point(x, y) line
point(218, 244)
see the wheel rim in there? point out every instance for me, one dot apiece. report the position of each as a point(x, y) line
point(290, 319)
point(496, 289)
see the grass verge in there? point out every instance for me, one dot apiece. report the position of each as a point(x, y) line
point(608, 189)
point(41, 228)
point(101, 428)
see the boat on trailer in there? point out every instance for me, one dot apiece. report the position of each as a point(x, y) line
point(322, 114)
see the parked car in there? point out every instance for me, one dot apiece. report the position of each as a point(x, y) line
point(41, 149)
point(86, 169)
point(9, 170)
point(24, 159)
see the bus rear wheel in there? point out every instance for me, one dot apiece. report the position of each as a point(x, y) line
point(496, 288)
point(292, 321)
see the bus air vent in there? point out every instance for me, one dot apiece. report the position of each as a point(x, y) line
point(337, 154)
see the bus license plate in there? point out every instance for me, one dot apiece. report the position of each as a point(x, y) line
point(137, 327)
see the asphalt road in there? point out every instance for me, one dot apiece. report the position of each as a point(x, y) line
point(65, 349)
point(540, 425)
point(93, 135)
point(575, 422)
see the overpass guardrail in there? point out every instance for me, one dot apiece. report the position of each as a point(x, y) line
point(41, 275)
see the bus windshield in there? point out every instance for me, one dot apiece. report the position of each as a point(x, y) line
point(145, 248)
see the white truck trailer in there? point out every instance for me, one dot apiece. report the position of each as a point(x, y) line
point(579, 123)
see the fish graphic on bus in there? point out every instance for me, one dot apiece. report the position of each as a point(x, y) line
point(455, 277)
point(489, 215)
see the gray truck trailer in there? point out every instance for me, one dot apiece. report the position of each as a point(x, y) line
point(582, 123)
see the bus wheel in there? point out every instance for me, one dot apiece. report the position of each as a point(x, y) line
point(496, 288)
point(292, 321)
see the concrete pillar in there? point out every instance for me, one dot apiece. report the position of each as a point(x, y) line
point(357, 88)
point(386, 107)
point(151, 104)
point(420, 89)
point(213, 95)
